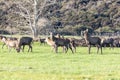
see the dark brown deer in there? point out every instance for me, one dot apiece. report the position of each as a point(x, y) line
point(73, 44)
point(92, 41)
point(52, 43)
point(116, 42)
point(42, 41)
point(24, 41)
point(63, 42)
point(107, 42)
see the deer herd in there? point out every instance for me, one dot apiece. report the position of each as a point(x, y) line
point(56, 41)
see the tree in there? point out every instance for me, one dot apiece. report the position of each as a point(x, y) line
point(32, 11)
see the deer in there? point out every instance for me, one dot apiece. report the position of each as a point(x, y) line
point(107, 42)
point(10, 43)
point(6, 38)
point(50, 42)
point(42, 41)
point(22, 42)
point(63, 42)
point(92, 41)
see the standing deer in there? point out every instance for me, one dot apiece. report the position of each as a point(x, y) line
point(1, 39)
point(51, 43)
point(42, 41)
point(58, 41)
point(92, 41)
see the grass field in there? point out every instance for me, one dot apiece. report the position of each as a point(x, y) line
point(42, 64)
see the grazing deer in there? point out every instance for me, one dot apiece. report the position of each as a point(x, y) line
point(6, 38)
point(92, 41)
point(24, 41)
point(107, 42)
point(10, 43)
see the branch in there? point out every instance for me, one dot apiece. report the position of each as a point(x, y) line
point(27, 15)
point(45, 5)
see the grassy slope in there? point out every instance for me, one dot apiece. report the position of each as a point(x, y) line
point(43, 64)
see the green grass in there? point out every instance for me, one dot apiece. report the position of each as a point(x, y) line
point(43, 64)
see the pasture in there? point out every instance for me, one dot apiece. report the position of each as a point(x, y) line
point(43, 64)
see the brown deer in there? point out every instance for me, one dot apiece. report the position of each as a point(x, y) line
point(92, 41)
point(6, 38)
point(10, 43)
point(50, 42)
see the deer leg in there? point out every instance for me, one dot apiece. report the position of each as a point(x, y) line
point(30, 47)
point(66, 47)
point(89, 47)
point(63, 49)
point(105, 45)
point(98, 48)
point(19, 49)
point(52, 49)
point(56, 48)
point(71, 48)
point(112, 46)
point(101, 48)
point(74, 47)
point(9, 48)
point(3, 45)
point(23, 48)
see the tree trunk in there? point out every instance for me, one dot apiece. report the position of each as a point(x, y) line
point(35, 31)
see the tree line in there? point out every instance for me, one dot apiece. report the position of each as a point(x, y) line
point(62, 16)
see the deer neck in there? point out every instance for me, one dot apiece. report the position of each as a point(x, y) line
point(87, 37)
